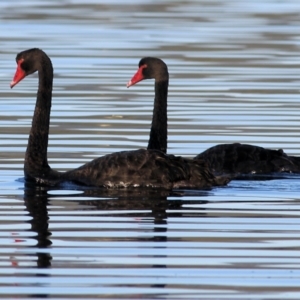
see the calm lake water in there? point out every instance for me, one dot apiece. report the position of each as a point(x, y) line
point(234, 69)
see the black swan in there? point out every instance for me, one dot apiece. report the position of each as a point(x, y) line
point(232, 159)
point(140, 168)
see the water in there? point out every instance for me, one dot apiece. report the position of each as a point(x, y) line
point(234, 78)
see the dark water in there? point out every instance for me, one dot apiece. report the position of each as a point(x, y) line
point(234, 69)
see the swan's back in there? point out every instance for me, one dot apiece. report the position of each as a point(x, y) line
point(248, 159)
point(144, 168)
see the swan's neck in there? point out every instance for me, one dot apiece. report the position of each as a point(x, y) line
point(36, 163)
point(159, 128)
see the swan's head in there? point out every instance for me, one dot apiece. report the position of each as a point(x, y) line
point(150, 67)
point(28, 62)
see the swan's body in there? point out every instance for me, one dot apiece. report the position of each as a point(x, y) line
point(145, 168)
point(248, 159)
point(140, 168)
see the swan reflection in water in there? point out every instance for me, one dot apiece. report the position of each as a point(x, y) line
point(146, 206)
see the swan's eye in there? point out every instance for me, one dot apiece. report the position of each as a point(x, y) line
point(24, 65)
point(143, 68)
point(20, 61)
